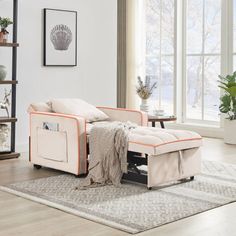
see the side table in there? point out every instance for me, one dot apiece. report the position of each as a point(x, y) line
point(161, 119)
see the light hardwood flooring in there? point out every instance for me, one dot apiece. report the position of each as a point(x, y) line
point(19, 216)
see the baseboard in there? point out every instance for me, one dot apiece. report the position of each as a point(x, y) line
point(203, 130)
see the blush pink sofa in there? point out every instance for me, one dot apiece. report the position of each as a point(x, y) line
point(170, 154)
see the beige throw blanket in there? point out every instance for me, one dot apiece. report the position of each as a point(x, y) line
point(108, 144)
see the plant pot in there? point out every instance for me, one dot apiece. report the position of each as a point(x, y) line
point(144, 105)
point(5, 38)
point(3, 72)
point(230, 131)
point(1, 37)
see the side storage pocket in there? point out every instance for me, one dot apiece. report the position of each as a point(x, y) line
point(52, 145)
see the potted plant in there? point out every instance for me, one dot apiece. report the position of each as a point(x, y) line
point(228, 106)
point(144, 91)
point(4, 23)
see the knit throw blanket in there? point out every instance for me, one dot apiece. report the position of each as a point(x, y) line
point(108, 145)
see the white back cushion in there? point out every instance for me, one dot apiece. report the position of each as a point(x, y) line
point(40, 106)
point(75, 106)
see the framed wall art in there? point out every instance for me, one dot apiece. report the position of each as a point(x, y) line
point(60, 37)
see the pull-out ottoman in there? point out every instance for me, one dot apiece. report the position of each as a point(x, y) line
point(170, 155)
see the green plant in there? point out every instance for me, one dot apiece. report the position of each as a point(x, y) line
point(145, 89)
point(4, 23)
point(228, 99)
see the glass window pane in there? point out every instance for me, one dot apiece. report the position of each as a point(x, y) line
point(194, 87)
point(194, 26)
point(234, 25)
point(212, 32)
point(203, 38)
point(152, 43)
point(167, 84)
point(234, 62)
point(153, 12)
point(152, 70)
point(160, 42)
point(152, 66)
point(211, 90)
point(168, 23)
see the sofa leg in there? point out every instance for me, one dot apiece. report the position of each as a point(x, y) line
point(80, 176)
point(149, 188)
point(37, 167)
point(192, 178)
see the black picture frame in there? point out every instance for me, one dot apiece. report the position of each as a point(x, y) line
point(46, 43)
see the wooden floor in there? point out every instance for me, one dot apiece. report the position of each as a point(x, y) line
point(22, 217)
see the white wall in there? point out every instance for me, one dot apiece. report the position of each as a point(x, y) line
point(94, 79)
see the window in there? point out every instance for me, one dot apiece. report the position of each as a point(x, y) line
point(160, 51)
point(203, 59)
point(234, 25)
point(196, 36)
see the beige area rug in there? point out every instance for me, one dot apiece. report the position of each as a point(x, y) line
point(132, 208)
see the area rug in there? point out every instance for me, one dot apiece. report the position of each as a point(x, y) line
point(133, 208)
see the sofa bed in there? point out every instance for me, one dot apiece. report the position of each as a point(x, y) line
point(59, 134)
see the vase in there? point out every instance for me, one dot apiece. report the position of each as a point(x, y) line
point(5, 37)
point(144, 105)
point(229, 131)
point(1, 37)
point(3, 72)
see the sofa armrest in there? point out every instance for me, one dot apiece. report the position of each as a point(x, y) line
point(64, 148)
point(121, 114)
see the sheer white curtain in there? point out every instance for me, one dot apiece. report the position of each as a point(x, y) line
point(135, 47)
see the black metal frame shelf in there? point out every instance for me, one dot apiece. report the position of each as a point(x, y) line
point(13, 83)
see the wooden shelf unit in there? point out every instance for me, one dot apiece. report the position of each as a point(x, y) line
point(9, 155)
point(9, 44)
point(7, 120)
point(8, 82)
point(13, 82)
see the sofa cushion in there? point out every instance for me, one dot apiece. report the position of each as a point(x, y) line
point(156, 141)
point(40, 106)
point(78, 107)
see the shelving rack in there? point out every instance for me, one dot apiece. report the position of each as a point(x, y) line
point(14, 45)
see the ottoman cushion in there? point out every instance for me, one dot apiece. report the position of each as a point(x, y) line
point(156, 141)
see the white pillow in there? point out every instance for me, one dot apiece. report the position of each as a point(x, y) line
point(40, 106)
point(78, 107)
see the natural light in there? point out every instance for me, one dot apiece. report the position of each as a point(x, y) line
point(201, 56)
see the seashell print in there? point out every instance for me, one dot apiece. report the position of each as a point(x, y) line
point(61, 37)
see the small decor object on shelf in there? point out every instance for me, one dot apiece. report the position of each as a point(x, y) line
point(4, 23)
point(144, 91)
point(4, 134)
point(3, 72)
point(60, 37)
point(6, 102)
point(228, 106)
